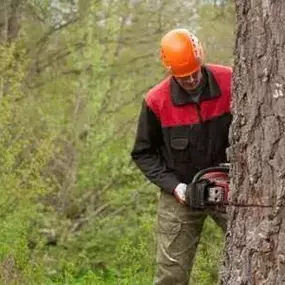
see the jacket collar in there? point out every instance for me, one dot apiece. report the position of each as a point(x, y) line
point(180, 97)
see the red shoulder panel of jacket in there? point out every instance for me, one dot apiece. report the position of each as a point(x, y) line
point(158, 99)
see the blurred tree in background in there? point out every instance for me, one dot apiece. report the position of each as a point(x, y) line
point(74, 209)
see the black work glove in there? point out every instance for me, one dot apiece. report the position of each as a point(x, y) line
point(196, 194)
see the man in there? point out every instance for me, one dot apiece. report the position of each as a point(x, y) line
point(183, 128)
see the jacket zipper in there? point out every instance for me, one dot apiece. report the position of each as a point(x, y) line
point(198, 110)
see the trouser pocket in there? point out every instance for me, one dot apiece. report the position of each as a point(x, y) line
point(178, 234)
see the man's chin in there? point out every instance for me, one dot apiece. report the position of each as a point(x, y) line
point(191, 89)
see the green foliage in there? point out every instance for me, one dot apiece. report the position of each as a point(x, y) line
point(216, 31)
point(74, 209)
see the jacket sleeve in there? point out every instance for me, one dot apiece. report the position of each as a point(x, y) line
point(146, 152)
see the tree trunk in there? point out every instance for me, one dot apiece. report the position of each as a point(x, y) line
point(255, 243)
point(9, 20)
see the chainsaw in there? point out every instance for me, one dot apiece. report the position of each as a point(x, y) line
point(216, 189)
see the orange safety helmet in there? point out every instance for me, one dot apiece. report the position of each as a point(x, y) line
point(181, 52)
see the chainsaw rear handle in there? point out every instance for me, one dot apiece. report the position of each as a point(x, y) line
point(224, 167)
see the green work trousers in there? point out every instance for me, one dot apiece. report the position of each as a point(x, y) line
point(178, 234)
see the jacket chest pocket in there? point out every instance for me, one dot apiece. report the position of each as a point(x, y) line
point(180, 146)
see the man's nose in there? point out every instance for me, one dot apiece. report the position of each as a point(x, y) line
point(190, 79)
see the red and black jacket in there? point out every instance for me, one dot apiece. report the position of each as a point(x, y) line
point(177, 137)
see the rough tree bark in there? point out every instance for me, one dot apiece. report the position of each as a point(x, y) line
point(255, 243)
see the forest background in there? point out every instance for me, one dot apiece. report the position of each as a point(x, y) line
point(73, 207)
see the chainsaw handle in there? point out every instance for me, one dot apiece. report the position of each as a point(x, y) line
point(225, 167)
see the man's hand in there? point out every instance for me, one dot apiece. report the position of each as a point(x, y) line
point(195, 194)
point(180, 193)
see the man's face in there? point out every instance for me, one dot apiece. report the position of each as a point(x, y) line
point(191, 82)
